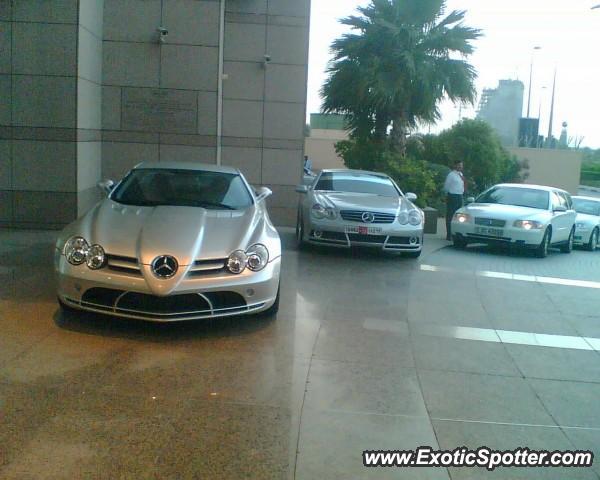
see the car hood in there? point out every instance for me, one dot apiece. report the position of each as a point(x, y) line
point(505, 212)
point(186, 233)
point(361, 201)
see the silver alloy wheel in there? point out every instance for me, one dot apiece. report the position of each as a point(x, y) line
point(571, 240)
point(542, 250)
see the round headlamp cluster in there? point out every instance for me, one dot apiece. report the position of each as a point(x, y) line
point(414, 217)
point(320, 212)
point(255, 259)
point(78, 251)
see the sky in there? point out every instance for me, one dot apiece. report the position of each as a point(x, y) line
point(567, 31)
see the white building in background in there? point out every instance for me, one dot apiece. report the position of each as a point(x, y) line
point(502, 108)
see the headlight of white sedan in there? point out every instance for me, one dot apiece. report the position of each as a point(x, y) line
point(462, 218)
point(255, 258)
point(582, 226)
point(528, 224)
point(320, 212)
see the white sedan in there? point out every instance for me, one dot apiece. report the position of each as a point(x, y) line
point(588, 221)
point(525, 216)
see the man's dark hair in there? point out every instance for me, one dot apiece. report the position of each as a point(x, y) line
point(457, 163)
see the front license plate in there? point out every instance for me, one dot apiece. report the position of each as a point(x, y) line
point(494, 232)
point(364, 230)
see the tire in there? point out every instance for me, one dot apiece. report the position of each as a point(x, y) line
point(568, 247)
point(542, 250)
point(273, 309)
point(593, 243)
point(412, 254)
point(459, 242)
point(299, 232)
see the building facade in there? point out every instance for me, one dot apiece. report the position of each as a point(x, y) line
point(325, 131)
point(501, 108)
point(90, 88)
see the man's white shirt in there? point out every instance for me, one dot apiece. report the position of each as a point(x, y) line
point(454, 183)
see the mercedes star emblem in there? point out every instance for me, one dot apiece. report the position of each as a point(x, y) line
point(368, 217)
point(164, 266)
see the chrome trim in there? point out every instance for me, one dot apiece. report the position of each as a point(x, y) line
point(358, 216)
point(165, 317)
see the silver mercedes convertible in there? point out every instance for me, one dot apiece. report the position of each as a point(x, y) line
point(344, 208)
point(173, 241)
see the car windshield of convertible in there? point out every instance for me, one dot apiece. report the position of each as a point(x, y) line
point(183, 188)
point(519, 197)
point(364, 184)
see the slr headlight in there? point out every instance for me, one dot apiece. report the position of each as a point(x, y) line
point(76, 250)
point(415, 218)
point(528, 225)
point(403, 218)
point(581, 226)
point(95, 257)
point(236, 263)
point(258, 257)
point(462, 218)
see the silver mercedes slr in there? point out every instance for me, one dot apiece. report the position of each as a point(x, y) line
point(344, 208)
point(173, 241)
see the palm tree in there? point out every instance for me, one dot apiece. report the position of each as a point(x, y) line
point(402, 59)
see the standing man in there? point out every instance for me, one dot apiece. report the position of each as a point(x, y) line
point(454, 186)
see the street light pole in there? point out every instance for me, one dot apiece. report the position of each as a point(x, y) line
point(531, 82)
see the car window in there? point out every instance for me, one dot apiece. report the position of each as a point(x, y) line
point(186, 188)
point(562, 200)
point(588, 207)
point(568, 199)
point(521, 197)
point(356, 183)
point(555, 200)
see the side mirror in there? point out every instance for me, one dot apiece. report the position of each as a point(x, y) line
point(302, 188)
point(411, 196)
point(262, 193)
point(560, 209)
point(106, 186)
point(470, 200)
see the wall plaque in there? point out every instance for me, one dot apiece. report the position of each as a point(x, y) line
point(159, 110)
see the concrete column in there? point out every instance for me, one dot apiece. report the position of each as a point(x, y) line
point(49, 110)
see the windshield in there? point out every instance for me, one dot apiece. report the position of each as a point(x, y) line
point(589, 207)
point(520, 197)
point(356, 183)
point(183, 188)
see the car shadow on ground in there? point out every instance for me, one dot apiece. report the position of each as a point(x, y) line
point(499, 250)
point(108, 326)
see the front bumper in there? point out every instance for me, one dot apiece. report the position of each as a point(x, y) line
point(512, 236)
point(216, 295)
point(582, 236)
point(390, 238)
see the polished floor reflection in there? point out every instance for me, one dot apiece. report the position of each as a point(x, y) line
point(368, 352)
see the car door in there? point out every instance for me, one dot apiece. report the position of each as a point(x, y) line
point(571, 213)
point(561, 226)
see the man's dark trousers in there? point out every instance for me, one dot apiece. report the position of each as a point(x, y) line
point(453, 203)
